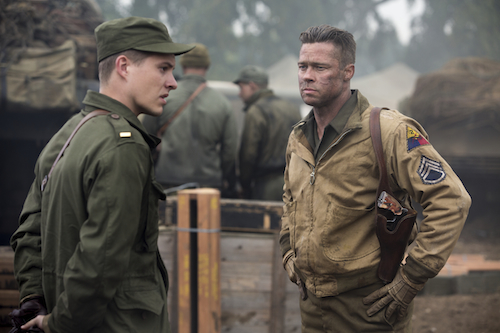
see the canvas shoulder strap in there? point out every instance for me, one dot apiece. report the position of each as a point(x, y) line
point(80, 124)
point(178, 112)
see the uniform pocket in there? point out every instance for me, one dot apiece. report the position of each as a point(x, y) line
point(143, 300)
point(348, 234)
point(136, 311)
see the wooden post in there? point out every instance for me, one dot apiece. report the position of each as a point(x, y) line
point(199, 261)
point(278, 290)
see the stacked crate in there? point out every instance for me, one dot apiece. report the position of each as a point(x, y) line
point(9, 294)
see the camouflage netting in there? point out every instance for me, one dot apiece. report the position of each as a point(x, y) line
point(464, 90)
point(48, 24)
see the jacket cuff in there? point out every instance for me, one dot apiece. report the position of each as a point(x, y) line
point(285, 244)
point(417, 272)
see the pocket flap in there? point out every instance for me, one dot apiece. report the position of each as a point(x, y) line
point(149, 300)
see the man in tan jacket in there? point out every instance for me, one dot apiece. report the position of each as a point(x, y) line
point(328, 240)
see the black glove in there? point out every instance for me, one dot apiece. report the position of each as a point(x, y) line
point(28, 310)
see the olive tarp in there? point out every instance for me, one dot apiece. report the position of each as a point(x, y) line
point(36, 36)
point(465, 91)
point(459, 106)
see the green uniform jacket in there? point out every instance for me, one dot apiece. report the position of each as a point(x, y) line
point(329, 215)
point(200, 145)
point(88, 242)
point(268, 123)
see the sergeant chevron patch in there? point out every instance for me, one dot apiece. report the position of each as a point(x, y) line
point(430, 171)
point(414, 139)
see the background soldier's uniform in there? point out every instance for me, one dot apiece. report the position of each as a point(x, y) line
point(268, 123)
point(200, 145)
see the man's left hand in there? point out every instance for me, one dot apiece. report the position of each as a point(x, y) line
point(396, 296)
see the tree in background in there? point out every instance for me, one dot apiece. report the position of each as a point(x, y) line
point(454, 28)
point(262, 32)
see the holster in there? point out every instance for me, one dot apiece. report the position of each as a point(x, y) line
point(393, 237)
point(393, 242)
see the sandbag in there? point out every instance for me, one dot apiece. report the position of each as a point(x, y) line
point(41, 79)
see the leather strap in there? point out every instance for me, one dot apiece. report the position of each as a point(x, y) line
point(83, 121)
point(379, 152)
point(183, 106)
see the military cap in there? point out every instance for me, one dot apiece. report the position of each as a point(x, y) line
point(197, 57)
point(136, 33)
point(252, 73)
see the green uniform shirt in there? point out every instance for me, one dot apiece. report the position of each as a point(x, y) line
point(268, 123)
point(333, 129)
point(88, 242)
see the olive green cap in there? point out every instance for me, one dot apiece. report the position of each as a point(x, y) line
point(197, 57)
point(137, 33)
point(252, 73)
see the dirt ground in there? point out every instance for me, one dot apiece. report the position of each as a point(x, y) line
point(476, 313)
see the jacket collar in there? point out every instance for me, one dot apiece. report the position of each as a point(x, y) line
point(94, 100)
point(256, 96)
point(193, 77)
point(353, 123)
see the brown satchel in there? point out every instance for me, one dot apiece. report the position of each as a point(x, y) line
point(393, 222)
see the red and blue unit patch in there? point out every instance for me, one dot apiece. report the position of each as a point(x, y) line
point(414, 139)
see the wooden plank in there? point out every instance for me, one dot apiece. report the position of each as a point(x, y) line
point(247, 247)
point(184, 264)
point(9, 300)
point(278, 291)
point(251, 215)
point(215, 263)
point(208, 260)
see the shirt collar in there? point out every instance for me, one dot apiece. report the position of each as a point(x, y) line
point(94, 100)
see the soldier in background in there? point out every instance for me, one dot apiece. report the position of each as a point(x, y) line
point(268, 123)
point(200, 145)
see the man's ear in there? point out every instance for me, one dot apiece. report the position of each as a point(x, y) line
point(348, 72)
point(253, 86)
point(121, 66)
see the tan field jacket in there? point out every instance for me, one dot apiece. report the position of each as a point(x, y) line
point(329, 214)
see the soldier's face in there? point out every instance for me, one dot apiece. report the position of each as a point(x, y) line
point(321, 80)
point(246, 91)
point(151, 82)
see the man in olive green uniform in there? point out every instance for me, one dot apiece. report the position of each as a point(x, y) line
point(328, 240)
point(200, 145)
point(268, 122)
point(86, 247)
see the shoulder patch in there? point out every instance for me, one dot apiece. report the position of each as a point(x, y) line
point(431, 172)
point(414, 139)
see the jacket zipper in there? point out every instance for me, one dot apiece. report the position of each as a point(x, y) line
point(312, 178)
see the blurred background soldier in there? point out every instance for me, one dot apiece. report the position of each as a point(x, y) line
point(268, 123)
point(200, 143)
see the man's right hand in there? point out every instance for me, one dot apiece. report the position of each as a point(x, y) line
point(288, 263)
point(29, 309)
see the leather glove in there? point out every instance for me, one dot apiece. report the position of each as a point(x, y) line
point(288, 263)
point(28, 310)
point(395, 296)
